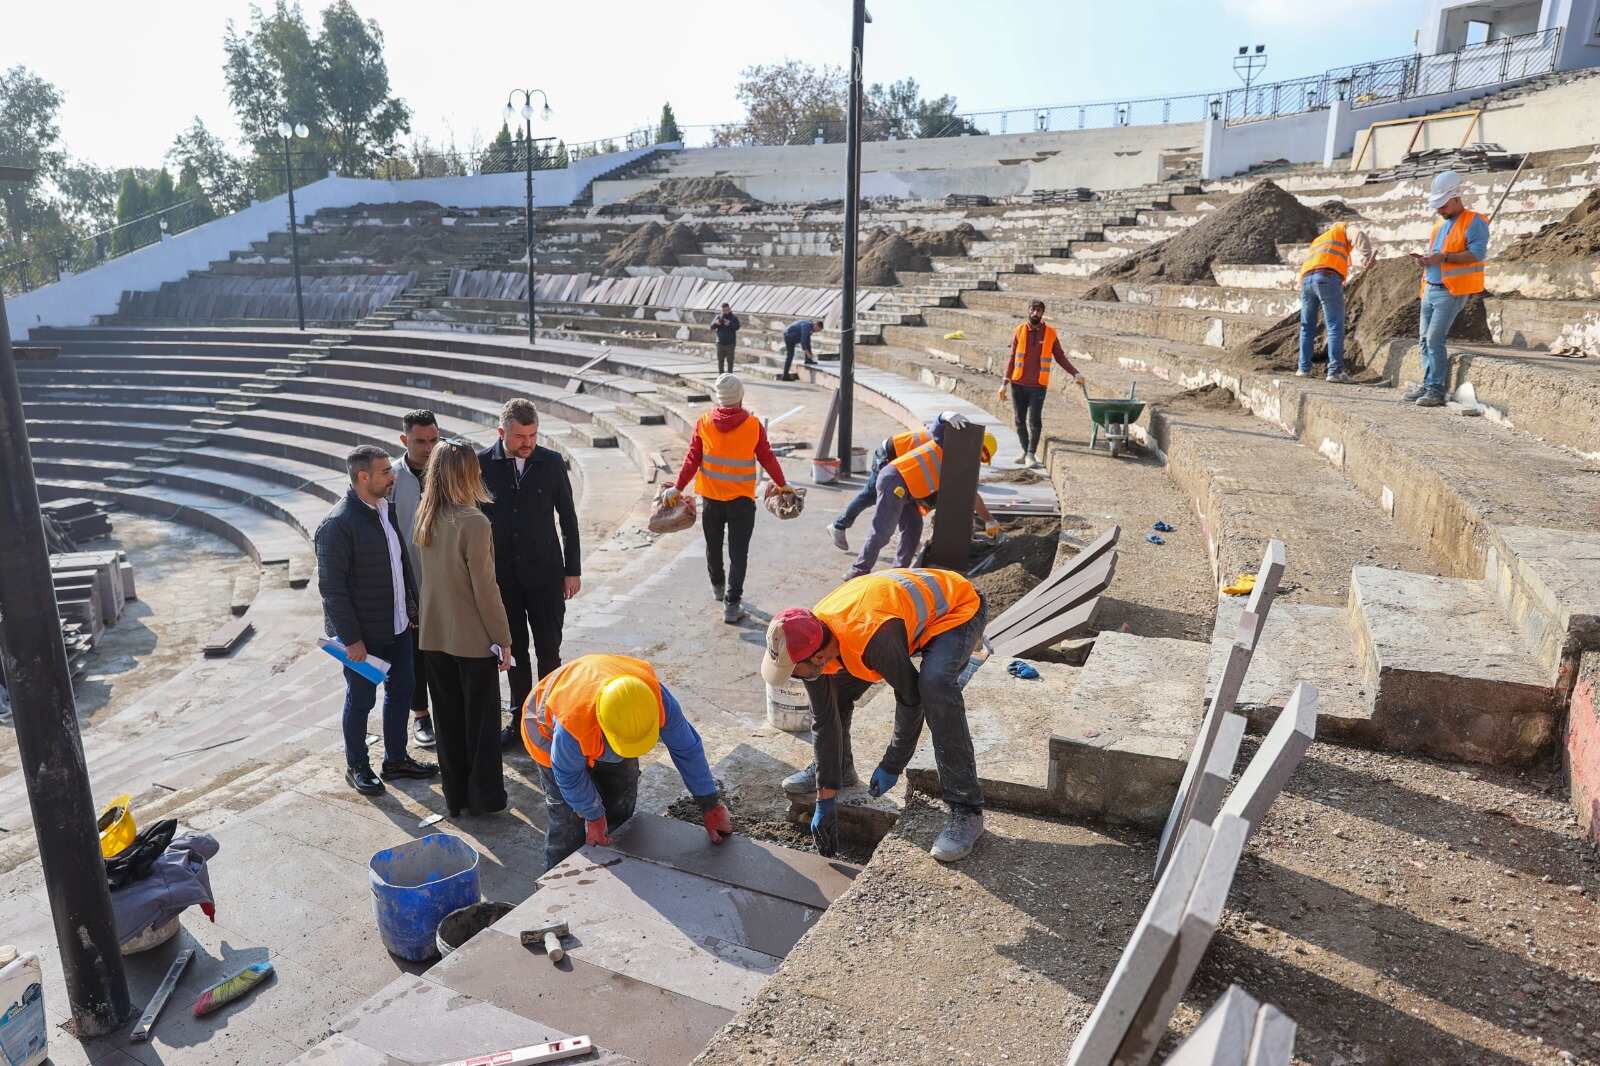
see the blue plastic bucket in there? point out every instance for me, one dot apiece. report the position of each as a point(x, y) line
point(415, 885)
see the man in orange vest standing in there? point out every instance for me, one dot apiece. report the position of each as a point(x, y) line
point(1033, 345)
point(1323, 277)
point(865, 631)
point(728, 443)
point(1451, 271)
point(586, 724)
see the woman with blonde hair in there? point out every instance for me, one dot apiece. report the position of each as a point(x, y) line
point(465, 634)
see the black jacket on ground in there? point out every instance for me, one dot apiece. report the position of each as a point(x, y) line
point(353, 574)
point(527, 552)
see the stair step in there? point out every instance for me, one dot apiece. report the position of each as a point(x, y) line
point(157, 459)
point(286, 371)
point(127, 481)
point(210, 423)
point(260, 386)
point(237, 405)
point(186, 442)
point(305, 357)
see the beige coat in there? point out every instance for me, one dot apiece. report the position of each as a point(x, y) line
point(461, 610)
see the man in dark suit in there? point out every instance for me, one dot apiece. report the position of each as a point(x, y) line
point(537, 571)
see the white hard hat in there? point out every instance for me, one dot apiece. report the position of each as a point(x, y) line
point(1446, 187)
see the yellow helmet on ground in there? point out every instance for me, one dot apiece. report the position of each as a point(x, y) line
point(990, 446)
point(629, 716)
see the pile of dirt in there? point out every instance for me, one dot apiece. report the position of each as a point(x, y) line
point(1105, 292)
point(1338, 211)
point(1577, 236)
point(1023, 559)
point(1380, 305)
point(772, 830)
point(1210, 397)
point(884, 252)
point(1246, 231)
point(653, 244)
point(691, 192)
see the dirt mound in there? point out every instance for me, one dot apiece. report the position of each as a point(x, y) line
point(1105, 292)
point(653, 244)
point(883, 252)
point(1246, 231)
point(1577, 236)
point(1338, 211)
point(1211, 397)
point(1380, 305)
point(690, 192)
point(1021, 561)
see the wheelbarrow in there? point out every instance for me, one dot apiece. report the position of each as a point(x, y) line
point(1112, 418)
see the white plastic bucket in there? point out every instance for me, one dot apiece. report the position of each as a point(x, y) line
point(22, 1025)
point(788, 708)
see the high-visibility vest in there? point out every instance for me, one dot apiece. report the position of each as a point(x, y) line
point(727, 459)
point(1460, 279)
point(1019, 348)
point(919, 468)
point(567, 694)
point(901, 443)
point(928, 602)
point(1330, 251)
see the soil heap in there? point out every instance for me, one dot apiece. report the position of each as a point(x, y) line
point(653, 244)
point(884, 252)
point(691, 192)
point(1105, 292)
point(1023, 559)
point(1246, 231)
point(1577, 236)
point(1338, 211)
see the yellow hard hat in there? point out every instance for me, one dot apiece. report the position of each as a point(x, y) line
point(990, 446)
point(117, 830)
point(629, 715)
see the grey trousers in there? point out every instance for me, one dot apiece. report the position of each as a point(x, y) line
point(945, 711)
point(895, 510)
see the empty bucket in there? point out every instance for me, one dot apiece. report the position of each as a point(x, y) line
point(415, 885)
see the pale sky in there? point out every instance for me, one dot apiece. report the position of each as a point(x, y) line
point(135, 74)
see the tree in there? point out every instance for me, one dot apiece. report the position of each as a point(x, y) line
point(900, 110)
point(190, 192)
point(271, 71)
point(363, 120)
point(561, 161)
point(786, 102)
point(220, 175)
point(28, 138)
point(501, 156)
point(163, 194)
point(667, 130)
point(133, 202)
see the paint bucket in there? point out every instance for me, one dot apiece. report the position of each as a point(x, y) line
point(23, 1032)
point(152, 937)
point(788, 707)
point(824, 471)
point(461, 926)
point(415, 885)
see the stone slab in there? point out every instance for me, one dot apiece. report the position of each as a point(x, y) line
point(1223, 1036)
point(1548, 582)
point(1024, 606)
point(1059, 627)
point(1089, 580)
point(1272, 1043)
point(1276, 759)
point(1274, 560)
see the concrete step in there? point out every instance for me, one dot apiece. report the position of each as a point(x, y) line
point(286, 371)
point(260, 386)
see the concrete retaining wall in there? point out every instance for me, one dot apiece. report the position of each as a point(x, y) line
point(1583, 746)
point(1562, 116)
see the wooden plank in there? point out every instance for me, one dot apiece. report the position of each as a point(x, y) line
point(1088, 554)
point(951, 541)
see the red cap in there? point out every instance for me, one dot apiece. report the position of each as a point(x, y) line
point(794, 634)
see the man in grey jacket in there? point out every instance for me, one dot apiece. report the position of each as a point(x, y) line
point(419, 434)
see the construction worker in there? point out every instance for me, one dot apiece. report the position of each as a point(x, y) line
point(1451, 272)
point(586, 724)
point(866, 631)
point(728, 442)
point(1033, 345)
point(798, 334)
point(1323, 277)
point(891, 448)
point(907, 487)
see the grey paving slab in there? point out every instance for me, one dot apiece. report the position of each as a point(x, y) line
point(1057, 628)
point(340, 1050)
point(626, 1015)
point(1275, 761)
point(1223, 1036)
point(1272, 1044)
point(1273, 563)
point(1024, 606)
point(1090, 580)
point(1212, 786)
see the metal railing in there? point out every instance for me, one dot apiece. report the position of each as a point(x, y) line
point(47, 265)
point(548, 154)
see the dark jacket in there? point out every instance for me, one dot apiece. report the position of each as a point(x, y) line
point(726, 327)
point(527, 553)
point(353, 574)
point(799, 333)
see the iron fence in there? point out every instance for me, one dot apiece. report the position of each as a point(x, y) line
point(46, 265)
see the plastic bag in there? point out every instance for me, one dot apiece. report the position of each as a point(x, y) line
point(787, 503)
point(679, 516)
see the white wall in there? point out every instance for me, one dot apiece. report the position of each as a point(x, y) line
point(1234, 149)
point(1442, 23)
point(1564, 116)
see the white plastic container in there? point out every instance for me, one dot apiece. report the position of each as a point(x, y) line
point(22, 1025)
point(788, 708)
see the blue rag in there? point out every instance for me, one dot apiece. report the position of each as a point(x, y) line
point(1162, 527)
point(1018, 668)
point(1153, 539)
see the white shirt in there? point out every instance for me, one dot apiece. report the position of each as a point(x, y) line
point(402, 620)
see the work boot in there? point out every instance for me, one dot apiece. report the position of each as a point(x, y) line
point(718, 592)
point(839, 540)
point(1340, 378)
point(424, 732)
point(1414, 393)
point(804, 782)
point(363, 780)
point(1431, 399)
point(960, 833)
point(732, 612)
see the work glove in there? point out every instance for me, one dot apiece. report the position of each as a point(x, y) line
point(825, 827)
point(955, 420)
point(670, 496)
point(881, 782)
point(718, 823)
point(595, 831)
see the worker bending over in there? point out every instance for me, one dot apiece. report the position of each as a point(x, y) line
point(891, 448)
point(865, 631)
point(1033, 345)
point(586, 725)
point(1323, 277)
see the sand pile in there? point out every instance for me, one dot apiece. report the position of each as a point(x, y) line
point(884, 252)
point(1380, 305)
point(1021, 561)
point(691, 192)
point(653, 244)
point(1246, 231)
point(1338, 211)
point(1577, 236)
point(1105, 292)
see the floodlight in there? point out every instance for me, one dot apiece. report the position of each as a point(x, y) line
point(1244, 49)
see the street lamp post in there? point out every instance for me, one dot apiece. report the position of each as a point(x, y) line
point(285, 130)
point(852, 225)
point(527, 146)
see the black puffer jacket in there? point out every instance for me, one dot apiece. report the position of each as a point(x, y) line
point(353, 574)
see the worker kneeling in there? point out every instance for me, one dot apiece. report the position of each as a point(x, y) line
point(865, 631)
point(586, 723)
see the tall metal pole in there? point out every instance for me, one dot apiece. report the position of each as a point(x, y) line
point(48, 744)
point(852, 223)
point(528, 153)
point(294, 236)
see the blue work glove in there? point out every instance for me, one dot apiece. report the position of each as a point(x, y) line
point(1018, 668)
point(882, 781)
point(825, 827)
point(1162, 527)
point(1154, 538)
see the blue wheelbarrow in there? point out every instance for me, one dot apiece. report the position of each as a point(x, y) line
point(1112, 418)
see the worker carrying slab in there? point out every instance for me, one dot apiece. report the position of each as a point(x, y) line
point(905, 488)
point(1323, 277)
point(867, 630)
point(586, 724)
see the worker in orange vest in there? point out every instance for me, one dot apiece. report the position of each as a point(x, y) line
point(728, 442)
point(1452, 271)
point(866, 631)
point(892, 448)
point(907, 487)
point(1034, 345)
point(586, 724)
point(1323, 276)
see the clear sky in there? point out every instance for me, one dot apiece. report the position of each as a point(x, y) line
point(135, 74)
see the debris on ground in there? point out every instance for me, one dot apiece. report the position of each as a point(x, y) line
point(1248, 230)
point(770, 830)
point(653, 244)
point(691, 192)
point(1020, 476)
point(1207, 397)
point(1019, 562)
point(885, 252)
point(1577, 236)
point(1338, 211)
point(1105, 292)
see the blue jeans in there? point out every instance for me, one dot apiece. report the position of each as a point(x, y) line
point(894, 511)
point(360, 694)
point(869, 492)
point(1322, 294)
point(1438, 313)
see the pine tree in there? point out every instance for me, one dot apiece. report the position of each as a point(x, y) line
point(133, 202)
point(498, 159)
point(667, 130)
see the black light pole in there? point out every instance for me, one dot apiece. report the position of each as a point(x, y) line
point(527, 145)
point(46, 722)
point(852, 222)
point(286, 131)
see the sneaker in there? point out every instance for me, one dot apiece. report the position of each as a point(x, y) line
point(1414, 393)
point(810, 362)
point(839, 540)
point(732, 612)
point(1341, 378)
point(804, 782)
point(1430, 399)
point(961, 832)
point(424, 732)
point(719, 592)
point(1033, 462)
point(407, 767)
point(363, 780)
point(1302, 373)
point(1022, 460)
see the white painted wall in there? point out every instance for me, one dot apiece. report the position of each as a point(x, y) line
point(1444, 22)
point(1234, 149)
point(1564, 116)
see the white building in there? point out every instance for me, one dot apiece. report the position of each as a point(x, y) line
point(1449, 25)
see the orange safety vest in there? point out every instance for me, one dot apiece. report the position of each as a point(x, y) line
point(1019, 348)
point(919, 468)
point(901, 443)
point(929, 602)
point(567, 694)
point(1330, 251)
point(727, 459)
point(1460, 279)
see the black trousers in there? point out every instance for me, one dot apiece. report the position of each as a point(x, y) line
point(725, 358)
point(738, 518)
point(419, 691)
point(1027, 404)
point(788, 356)
point(466, 723)
point(540, 611)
